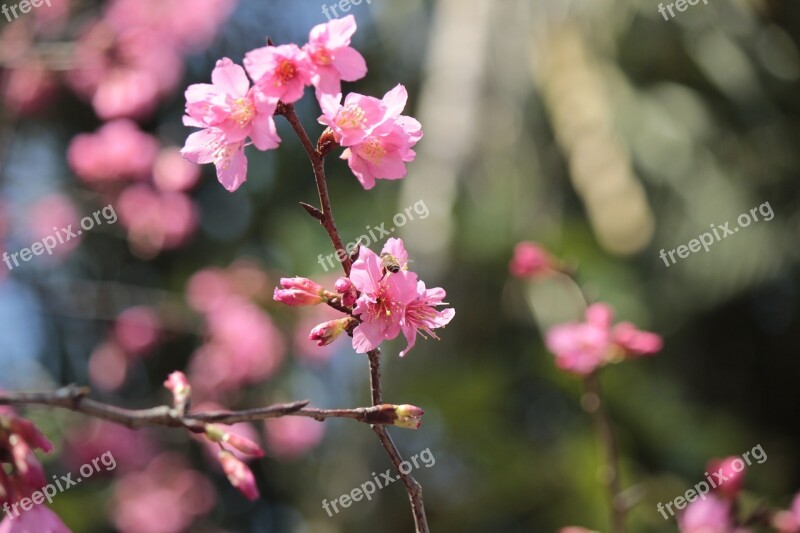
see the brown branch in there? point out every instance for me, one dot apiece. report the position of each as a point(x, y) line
point(318, 164)
point(317, 157)
point(593, 404)
point(74, 398)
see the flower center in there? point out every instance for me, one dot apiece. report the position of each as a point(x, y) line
point(285, 72)
point(350, 116)
point(224, 155)
point(321, 56)
point(372, 150)
point(243, 111)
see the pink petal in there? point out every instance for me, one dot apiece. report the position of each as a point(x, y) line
point(230, 78)
point(350, 64)
point(232, 175)
point(264, 134)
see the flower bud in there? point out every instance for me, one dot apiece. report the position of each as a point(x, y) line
point(181, 390)
point(216, 433)
point(239, 475)
point(346, 288)
point(326, 142)
point(299, 291)
point(327, 332)
point(408, 416)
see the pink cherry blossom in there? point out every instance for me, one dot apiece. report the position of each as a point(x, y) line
point(239, 474)
point(28, 87)
point(39, 519)
point(383, 300)
point(332, 58)
point(108, 366)
point(291, 437)
point(709, 515)
point(530, 260)
point(583, 347)
point(421, 316)
point(209, 146)
point(280, 72)
point(118, 150)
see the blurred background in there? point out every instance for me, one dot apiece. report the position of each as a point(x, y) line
point(595, 127)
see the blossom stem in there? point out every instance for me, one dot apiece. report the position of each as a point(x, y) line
point(593, 404)
point(318, 164)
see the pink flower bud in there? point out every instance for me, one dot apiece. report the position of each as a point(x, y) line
point(531, 260)
point(327, 332)
point(346, 288)
point(179, 385)
point(732, 470)
point(299, 291)
point(239, 475)
point(243, 444)
point(408, 416)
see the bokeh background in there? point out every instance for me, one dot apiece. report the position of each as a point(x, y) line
point(594, 127)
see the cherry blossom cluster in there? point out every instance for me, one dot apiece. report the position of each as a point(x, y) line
point(232, 112)
point(381, 297)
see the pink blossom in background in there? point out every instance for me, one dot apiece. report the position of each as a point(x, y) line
point(132, 449)
point(248, 280)
point(51, 21)
point(40, 519)
point(711, 515)
point(244, 347)
point(136, 330)
point(121, 73)
point(531, 260)
point(165, 497)
point(788, 521)
point(108, 366)
point(291, 437)
point(48, 215)
point(279, 72)
point(582, 347)
point(173, 173)
point(156, 220)
point(28, 88)
point(207, 289)
point(118, 150)
point(332, 58)
point(733, 484)
point(184, 30)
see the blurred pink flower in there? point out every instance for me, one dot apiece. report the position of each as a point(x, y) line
point(164, 497)
point(48, 215)
point(710, 515)
point(788, 521)
point(108, 366)
point(731, 482)
point(49, 22)
point(207, 289)
point(118, 150)
point(244, 347)
point(332, 58)
point(156, 220)
point(583, 347)
point(121, 72)
point(172, 173)
point(28, 88)
point(136, 330)
point(280, 72)
point(132, 449)
point(531, 260)
point(40, 519)
point(291, 437)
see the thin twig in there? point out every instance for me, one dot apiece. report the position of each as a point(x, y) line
point(593, 404)
point(74, 398)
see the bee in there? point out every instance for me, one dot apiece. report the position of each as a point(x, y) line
point(390, 263)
